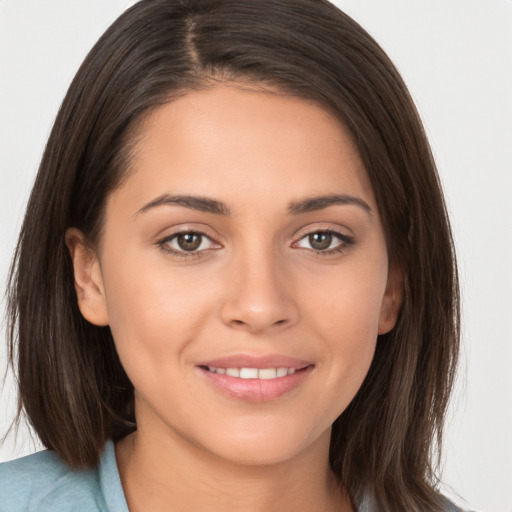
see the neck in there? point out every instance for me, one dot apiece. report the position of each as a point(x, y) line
point(175, 475)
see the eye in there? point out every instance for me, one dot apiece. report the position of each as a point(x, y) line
point(325, 241)
point(187, 242)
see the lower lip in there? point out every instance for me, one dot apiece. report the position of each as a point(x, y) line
point(256, 390)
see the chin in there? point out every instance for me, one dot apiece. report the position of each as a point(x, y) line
point(265, 446)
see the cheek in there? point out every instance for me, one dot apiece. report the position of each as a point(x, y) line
point(347, 302)
point(153, 315)
point(346, 317)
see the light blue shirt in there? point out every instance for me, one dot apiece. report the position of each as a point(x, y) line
point(43, 483)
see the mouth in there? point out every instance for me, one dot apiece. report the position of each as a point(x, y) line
point(256, 379)
point(253, 373)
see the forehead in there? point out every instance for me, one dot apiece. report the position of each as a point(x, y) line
point(235, 144)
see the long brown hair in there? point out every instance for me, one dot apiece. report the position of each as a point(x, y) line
point(72, 387)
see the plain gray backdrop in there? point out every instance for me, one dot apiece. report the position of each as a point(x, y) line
point(456, 57)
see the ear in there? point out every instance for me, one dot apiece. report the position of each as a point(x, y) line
point(88, 278)
point(391, 301)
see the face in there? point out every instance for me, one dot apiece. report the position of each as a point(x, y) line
point(243, 272)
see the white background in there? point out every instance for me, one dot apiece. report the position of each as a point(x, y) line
point(456, 57)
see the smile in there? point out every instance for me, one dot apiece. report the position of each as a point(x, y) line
point(255, 379)
point(253, 373)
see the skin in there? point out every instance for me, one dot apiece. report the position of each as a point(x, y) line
point(256, 287)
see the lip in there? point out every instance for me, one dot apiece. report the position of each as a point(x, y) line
point(249, 361)
point(255, 390)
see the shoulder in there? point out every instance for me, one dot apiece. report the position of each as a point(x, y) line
point(42, 482)
point(451, 507)
point(367, 504)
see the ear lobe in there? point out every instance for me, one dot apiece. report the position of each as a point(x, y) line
point(392, 301)
point(88, 278)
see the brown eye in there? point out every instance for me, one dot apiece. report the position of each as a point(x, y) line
point(189, 241)
point(325, 242)
point(320, 241)
point(188, 244)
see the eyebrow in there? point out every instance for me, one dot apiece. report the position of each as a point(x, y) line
point(206, 204)
point(202, 204)
point(320, 202)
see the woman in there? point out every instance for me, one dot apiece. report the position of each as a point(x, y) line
point(235, 284)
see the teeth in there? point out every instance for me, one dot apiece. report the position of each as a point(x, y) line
point(254, 373)
point(248, 373)
point(233, 372)
point(267, 373)
point(282, 372)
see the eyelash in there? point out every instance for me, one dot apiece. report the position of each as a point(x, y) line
point(345, 243)
point(163, 244)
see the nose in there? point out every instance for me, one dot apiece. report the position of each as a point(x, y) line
point(260, 295)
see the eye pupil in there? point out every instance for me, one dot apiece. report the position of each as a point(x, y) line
point(189, 241)
point(321, 240)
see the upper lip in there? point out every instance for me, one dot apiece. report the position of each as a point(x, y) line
point(250, 361)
